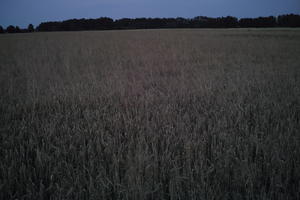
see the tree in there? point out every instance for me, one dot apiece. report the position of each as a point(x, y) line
point(30, 28)
point(18, 30)
point(1, 30)
point(105, 23)
point(10, 29)
point(290, 20)
point(49, 26)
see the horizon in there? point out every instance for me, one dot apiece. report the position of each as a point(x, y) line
point(35, 12)
point(190, 18)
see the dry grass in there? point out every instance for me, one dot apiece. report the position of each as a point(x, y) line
point(150, 114)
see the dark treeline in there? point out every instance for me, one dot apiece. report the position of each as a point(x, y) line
point(17, 29)
point(105, 23)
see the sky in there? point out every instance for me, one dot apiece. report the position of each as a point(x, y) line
point(24, 12)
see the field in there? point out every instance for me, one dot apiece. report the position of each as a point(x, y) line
point(150, 114)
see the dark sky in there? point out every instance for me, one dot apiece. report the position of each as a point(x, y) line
point(23, 12)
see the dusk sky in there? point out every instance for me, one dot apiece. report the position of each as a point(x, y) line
point(24, 12)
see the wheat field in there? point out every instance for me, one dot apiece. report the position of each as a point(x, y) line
point(150, 114)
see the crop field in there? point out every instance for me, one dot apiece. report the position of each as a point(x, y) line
point(150, 114)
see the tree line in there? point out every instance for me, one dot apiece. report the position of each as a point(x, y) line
point(105, 23)
point(17, 29)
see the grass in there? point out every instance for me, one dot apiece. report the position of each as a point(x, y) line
point(150, 114)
